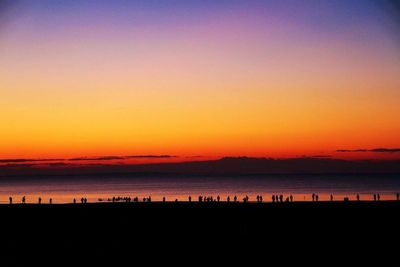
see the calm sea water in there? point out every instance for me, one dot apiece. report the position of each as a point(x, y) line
point(63, 190)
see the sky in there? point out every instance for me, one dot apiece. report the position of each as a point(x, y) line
point(199, 79)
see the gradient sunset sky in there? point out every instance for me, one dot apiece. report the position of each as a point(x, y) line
point(199, 78)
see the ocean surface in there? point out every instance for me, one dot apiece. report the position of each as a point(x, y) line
point(95, 189)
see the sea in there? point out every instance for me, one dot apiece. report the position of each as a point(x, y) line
point(64, 189)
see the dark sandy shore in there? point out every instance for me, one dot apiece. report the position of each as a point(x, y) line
point(301, 228)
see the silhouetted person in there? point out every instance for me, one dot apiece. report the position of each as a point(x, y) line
point(82, 200)
point(23, 200)
point(261, 199)
point(379, 197)
point(281, 198)
point(313, 197)
point(374, 197)
point(291, 198)
point(273, 198)
point(287, 199)
point(331, 197)
point(235, 199)
point(200, 199)
point(190, 199)
point(51, 201)
point(397, 196)
point(85, 200)
point(218, 198)
point(316, 198)
point(40, 200)
point(163, 199)
point(228, 199)
point(74, 200)
point(10, 199)
point(358, 197)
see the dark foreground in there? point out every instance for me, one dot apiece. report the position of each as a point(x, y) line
point(301, 231)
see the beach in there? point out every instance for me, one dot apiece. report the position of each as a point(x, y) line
point(320, 227)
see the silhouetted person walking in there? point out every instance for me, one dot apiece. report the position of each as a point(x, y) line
point(313, 197)
point(51, 201)
point(74, 200)
point(218, 198)
point(235, 199)
point(190, 199)
point(163, 199)
point(358, 197)
point(316, 198)
point(374, 197)
point(281, 198)
point(379, 197)
point(40, 200)
point(23, 200)
point(291, 198)
point(10, 199)
point(331, 197)
point(228, 199)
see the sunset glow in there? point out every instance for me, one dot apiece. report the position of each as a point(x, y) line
point(198, 78)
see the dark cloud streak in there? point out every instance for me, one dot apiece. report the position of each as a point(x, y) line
point(104, 158)
point(375, 150)
point(26, 160)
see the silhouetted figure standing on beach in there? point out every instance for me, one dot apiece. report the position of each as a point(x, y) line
point(281, 198)
point(23, 200)
point(374, 197)
point(291, 198)
point(51, 201)
point(331, 197)
point(273, 198)
point(235, 199)
point(10, 199)
point(163, 199)
point(316, 198)
point(313, 197)
point(261, 199)
point(218, 198)
point(74, 200)
point(40, 200)
point(190, 199)
point(379, 197)
point(358, 197)
point(397, 196)
point(228, 199)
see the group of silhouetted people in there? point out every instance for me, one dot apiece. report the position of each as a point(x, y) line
point(259, 199)
point(276, 198)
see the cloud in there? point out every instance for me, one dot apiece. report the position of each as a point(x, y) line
point(97, 158)
point(103, 158)
point(375, 150)
point(26, 160)
point(150, 156)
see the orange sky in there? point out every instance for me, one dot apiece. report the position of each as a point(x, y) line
point(229, 83)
